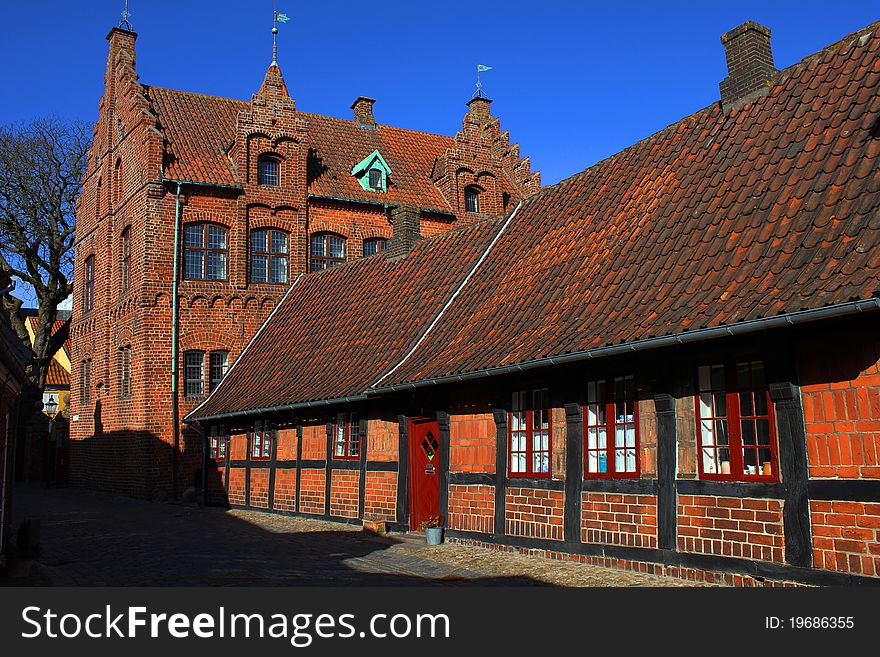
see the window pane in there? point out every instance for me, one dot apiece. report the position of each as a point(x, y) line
point(216, 265)
point(279, 242)
point(318, 245)
point(193, 234)
point(216, 237)
point(279, 270)
point(337, 247)
point(193, 265)
point(259, 240)
point(259, 265)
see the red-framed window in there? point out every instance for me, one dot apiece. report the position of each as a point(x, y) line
point(736, 424)
point(347, 436)
point(261, 441)
point(611, 429)
point(529, 434)
point(89, 284)
point(327, 250)
point(217, 445)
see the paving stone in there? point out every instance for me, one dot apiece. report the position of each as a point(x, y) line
point(98, 539)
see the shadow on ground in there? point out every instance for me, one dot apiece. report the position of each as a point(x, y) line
point(99, 539)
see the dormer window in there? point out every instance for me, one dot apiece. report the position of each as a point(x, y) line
point(372, 172)
point(472, 199)
point(376, 179)
point(268, 171)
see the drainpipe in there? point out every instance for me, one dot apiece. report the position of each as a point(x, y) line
point(175, 316)
point(175, 340)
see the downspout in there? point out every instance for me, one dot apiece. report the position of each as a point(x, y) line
point(175, 317)
point(175, 339)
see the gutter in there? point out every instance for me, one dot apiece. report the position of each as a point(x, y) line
point(699, 335)
point(384, 206)
point(189, 419)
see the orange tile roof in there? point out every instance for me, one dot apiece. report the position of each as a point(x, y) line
point(57, 376)
point(717, 220)
point(200, 129)
point(344, 337)
point(33, 321)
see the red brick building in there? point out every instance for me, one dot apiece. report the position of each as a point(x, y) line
point(198, 212)
point(667, 362)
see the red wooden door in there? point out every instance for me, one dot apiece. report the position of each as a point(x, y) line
point(424, 471)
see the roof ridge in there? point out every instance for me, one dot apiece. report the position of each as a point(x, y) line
point(379, 126)
point(150, 87)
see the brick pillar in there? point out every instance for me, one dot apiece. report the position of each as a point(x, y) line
point(749, 64)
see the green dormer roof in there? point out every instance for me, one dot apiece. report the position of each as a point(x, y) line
point(372, 161)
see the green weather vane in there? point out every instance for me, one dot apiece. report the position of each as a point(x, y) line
point(276, 18)
point(480, 68)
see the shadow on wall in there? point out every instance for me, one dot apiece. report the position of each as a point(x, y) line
point(136, 463)
point(112, 540)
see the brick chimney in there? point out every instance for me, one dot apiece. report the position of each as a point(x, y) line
point(363, 112)
point(750, 67)
point(405, 224)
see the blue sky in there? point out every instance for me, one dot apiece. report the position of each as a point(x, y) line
point(573, 82)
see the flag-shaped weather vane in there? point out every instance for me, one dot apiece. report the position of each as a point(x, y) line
point(480, 68)
point(277, 17)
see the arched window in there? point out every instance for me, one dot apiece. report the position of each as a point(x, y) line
point(126, 258)
point(374, 245)
point(327, 250)
point(205, 247)
point(89, 284)
point(268, 170)
point(472, 199)
point(269, 256)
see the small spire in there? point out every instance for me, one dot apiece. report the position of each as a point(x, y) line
point(277, 17)
point(124, 24)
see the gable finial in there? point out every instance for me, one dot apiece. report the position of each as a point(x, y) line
point(276, 18)
point(480, 68)
point(126, 14)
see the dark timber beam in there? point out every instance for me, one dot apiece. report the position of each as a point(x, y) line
point(500, 416)
point(795, 476)
point(443, 464)
point(403, 470)
point(574, 458)
point(667, 495)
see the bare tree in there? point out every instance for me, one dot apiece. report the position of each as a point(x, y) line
point(41, 169)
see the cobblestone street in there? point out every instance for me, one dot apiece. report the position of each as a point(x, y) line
point(96, 539)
